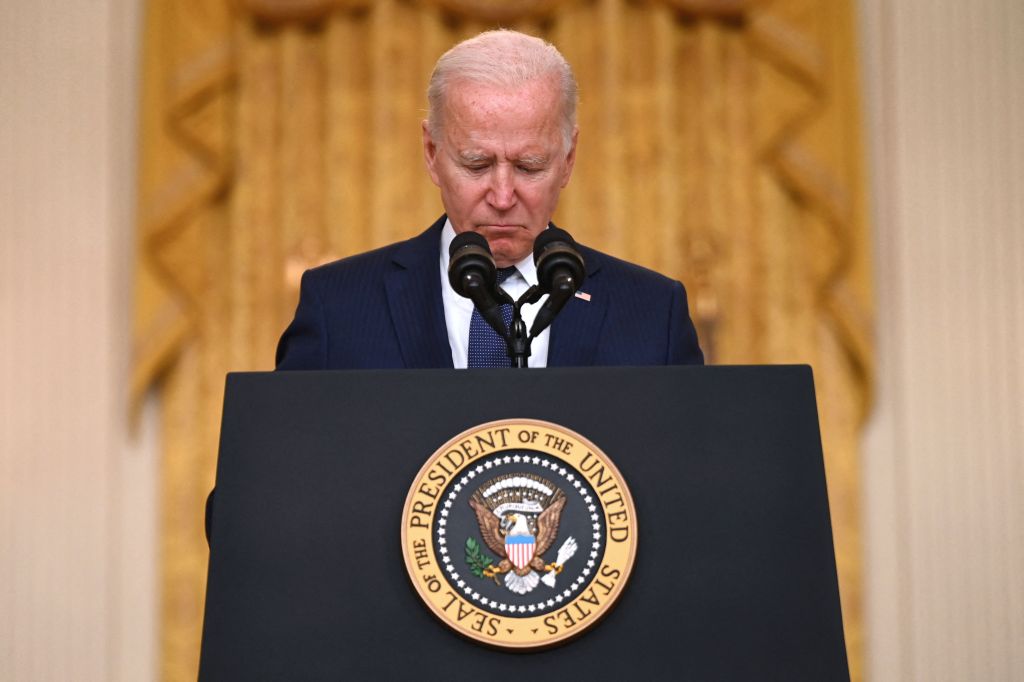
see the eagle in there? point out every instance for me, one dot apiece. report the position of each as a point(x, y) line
point(502, 529)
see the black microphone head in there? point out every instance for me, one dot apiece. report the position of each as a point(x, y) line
point(471, 264)
point(464, 239)
point(549, 236)
point(554, 252)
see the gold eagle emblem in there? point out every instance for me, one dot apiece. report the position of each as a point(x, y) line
point(519, 515)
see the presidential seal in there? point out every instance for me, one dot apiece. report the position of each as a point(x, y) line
point(519, 534)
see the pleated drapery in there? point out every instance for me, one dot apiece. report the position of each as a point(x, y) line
point(720, 144)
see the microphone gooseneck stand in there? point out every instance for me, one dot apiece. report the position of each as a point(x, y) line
point(517, 339)
point(560, 271)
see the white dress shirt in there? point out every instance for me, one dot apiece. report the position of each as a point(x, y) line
point(458, 310)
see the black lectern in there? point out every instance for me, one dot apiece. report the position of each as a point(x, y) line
point(734, 576)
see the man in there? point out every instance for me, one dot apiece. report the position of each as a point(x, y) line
point(500, 143)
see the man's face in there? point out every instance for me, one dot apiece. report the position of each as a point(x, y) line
point(501, 161)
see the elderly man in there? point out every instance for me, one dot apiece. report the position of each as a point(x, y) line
point(500, 143)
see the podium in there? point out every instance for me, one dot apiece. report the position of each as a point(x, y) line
point(734, 576)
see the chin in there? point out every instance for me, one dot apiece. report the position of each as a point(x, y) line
point(505, 256)
point(509, 248)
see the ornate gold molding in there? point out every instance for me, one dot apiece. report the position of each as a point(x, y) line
point(285, 11)
point(499, 11)
point(712, 8)
point(186, 166)
point(488, 11)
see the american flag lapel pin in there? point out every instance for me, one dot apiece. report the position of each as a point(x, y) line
point(583, 295)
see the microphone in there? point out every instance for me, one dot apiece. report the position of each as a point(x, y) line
point(472, 273)
point(560, 272)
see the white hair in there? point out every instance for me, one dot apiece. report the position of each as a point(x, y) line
point(505, 59)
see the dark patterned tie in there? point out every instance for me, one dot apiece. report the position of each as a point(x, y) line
point(486, 348)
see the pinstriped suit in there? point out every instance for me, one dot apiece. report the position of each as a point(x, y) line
point(383, 309)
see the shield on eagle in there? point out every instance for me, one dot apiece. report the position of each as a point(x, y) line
point(519, 550)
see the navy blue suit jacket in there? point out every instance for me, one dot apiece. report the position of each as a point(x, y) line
point(383, 309)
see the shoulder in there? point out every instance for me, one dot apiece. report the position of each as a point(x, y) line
point(647, 312)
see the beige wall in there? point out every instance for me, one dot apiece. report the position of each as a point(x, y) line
point(76, 494)
point(944, 468)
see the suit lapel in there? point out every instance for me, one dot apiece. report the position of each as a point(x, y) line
point(414, 300)
point(576, 331)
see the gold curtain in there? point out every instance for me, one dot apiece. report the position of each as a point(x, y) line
point(720, 144)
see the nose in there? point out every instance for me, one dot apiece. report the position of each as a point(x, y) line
point(502, 193)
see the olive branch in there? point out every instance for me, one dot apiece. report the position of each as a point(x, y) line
point(476, 559)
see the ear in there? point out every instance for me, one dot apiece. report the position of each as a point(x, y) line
point(430, 153)
point(570, 157)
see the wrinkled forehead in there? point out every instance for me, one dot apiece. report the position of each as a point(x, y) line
point(538, 101)
point(526, 120)
point(541, 89)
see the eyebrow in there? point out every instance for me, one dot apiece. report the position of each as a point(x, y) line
point(528, 159)
point(533, 160)
point(474, 157)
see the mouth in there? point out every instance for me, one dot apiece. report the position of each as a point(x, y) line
point(500, 227)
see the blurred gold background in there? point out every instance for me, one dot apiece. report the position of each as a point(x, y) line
point(720, 144)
